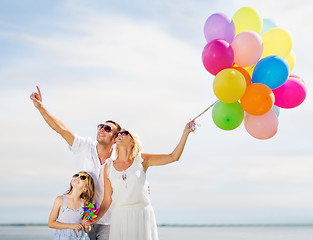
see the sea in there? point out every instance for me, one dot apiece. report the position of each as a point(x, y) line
point(182, 232)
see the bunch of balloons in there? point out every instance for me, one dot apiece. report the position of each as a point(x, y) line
point(251, 59)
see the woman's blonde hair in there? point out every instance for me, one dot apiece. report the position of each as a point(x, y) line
point(88, 195)
point(137, 148)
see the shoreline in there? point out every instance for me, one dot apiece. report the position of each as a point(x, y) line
point(182, 225)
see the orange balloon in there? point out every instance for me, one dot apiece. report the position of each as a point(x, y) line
point(245, 74)
point(258, 99)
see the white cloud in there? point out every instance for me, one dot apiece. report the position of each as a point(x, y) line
point(148, 79)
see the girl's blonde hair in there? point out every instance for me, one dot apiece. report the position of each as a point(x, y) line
point(137, 148)
point(88, 195)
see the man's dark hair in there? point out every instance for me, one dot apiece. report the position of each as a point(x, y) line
point(116, 124)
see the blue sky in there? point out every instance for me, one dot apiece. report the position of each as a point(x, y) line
point(139, 63)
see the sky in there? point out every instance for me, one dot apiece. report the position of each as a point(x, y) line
point(139, 63)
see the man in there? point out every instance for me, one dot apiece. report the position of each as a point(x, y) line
point(93, 155)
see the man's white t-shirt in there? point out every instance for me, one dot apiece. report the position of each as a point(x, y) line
point(85, 151)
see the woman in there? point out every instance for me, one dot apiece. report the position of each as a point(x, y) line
point(126, 187)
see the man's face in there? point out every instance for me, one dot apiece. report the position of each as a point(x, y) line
point(106, 133)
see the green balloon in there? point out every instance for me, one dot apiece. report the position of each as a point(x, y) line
point(227, 116)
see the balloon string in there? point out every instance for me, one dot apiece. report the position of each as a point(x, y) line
point(251, 67)
point(205, 110)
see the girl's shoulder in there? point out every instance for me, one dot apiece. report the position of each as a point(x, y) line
point(59, 200)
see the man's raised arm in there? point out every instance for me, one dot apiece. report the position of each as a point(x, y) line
point(53, 122)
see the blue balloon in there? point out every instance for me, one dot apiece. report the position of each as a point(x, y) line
point(272, 71)
point(267, 25)
point(276, 110)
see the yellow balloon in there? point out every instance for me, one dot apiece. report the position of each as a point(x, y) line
point(229, 85)
point(276, 41)
point(291, 59)
point(247, 18)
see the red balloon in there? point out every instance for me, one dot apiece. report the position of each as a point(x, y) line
point(217, 55)
point(291, 94)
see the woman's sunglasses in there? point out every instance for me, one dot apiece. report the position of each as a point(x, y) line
point(82, 177)
point(105, 127)
point(125, 133)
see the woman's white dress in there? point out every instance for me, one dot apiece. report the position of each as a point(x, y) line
point(132, 214)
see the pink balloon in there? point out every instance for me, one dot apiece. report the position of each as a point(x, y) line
point(217, 55)
point(219, 26)
point(291, 94)
point(262, 126)
point(248, 48)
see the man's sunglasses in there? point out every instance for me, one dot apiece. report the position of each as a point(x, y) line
point(106, 128)
point(82, 177)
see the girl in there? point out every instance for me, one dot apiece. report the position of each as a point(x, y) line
point(127, 189)
point(66, 214)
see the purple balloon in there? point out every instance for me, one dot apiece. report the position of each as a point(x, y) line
point(291, 94)
point(217, 55)
point(219, 26)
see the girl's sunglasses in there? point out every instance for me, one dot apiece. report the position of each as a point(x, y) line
point(105, 127)
point(82, 177)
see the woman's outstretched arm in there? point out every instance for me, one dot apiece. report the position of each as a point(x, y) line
point(150, 159)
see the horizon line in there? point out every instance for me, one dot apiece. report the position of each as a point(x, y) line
point(183, 225)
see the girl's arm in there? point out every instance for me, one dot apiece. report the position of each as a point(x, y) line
point(53, 223)
point(150, 159)
point(107, 199)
